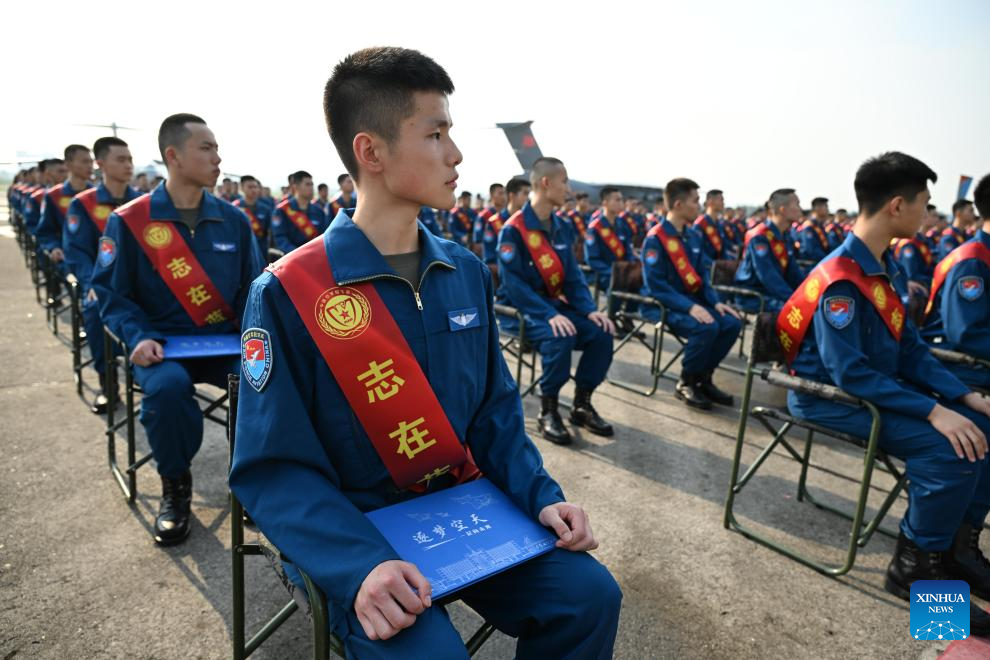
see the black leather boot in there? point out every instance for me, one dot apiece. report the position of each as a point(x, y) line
point(911, 563)
point(172, 523)
point(102, 401)
point(965, 561)
point(551, 425)
point(688, 390)
point(710, 390)
point(584, 414)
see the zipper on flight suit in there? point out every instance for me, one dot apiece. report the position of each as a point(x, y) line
point(386, 276)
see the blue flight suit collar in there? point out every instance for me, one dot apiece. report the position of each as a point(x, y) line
point(67, 188)
point(776, 231)
point(668, 228)
point(354, 258)
point(103, 195)
point(532, 221)
point(982, 236)
point(861, 254)
point(162, 207)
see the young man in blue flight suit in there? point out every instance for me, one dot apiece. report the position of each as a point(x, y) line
point(51, 172)
point(429, 219)
point(954, 235)
point(712, 229)
point(496, 204)
point(462, 220)
point(959, 310)
point(768, 264)
point(516, 195)
point(674, 263)
point(812, 237)
point(347, 199)
point(297, 220)
point(607, 241)
point(258, 214)
point(205, 257)
point(85, 221)
point(550, 291)
point(845, 326)
point(304, 465)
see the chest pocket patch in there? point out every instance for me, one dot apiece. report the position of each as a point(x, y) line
point(224, 247)
point(462, 319)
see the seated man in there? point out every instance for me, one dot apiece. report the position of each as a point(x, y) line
point(712, 229)
point(958, 309)
point(311, 452)
point(461, 220)
point(956, 233)
point(813, 237)
point(768, 263)
point(541, 278)
point(515, 195)
point(674, 264)
point(296, 219)
point(845, 325)
point(258, 214)
point(177, 261)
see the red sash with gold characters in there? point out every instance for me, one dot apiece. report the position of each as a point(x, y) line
point(776, 245)
point(175, 263)
point(609, 237)
point(496, 222)
point(898, 244)
point(710, 231)
point(60, 198)
point(542, 253)
point(97, 212)
point(376, 370)
point(256, 226)
point(678, 256)
point(578, 221)
point(968, 250)
point(797, 312)
point(462, 218)
point(298, 218)
point(630, 221)
point(819, 232)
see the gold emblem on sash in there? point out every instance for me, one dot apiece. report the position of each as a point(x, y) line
point(672, 245)
point(102, 212)
point(343, 312)
point(535, 240)
point(813, 289)
point(157, 235)
point(64, 202)
point(879, 296)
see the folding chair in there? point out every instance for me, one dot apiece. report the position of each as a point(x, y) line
point(766, 349)
point(118, 356)
point(514, 343)
point(723, 277)
point(79, 341)
point(314, 601)
point(58, 299)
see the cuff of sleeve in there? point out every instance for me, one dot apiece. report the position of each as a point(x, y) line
point(354, 586)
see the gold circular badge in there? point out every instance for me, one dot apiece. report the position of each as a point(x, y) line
point(672, 245)
point(102, 212)
point(813, 289)
point(64, 202)
point(535, 240)
point(880, 296)
point(605, 232)
point(343, 312)
point(158, 235)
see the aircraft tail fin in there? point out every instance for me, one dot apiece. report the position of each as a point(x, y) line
point(520, 137)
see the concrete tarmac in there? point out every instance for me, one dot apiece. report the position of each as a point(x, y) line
point(80, 576)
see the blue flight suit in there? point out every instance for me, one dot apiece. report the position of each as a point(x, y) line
point(522, 287)
point(598, 255)
point(707, 343)
point(914, 264)
point(80, 242)
point(951, 238)
point(286, 235)
point(338, 203)
point(31, 209)
point(263, 213)
point(489, 239)
point(855, 351)
point(732, 235)
point(462, 224)
point(760, 271)
point(306, 470)
point(710, 252)
point(811, 246)
point(50, 227)
point(136, 304)
point(961, 315)
point(429, 219)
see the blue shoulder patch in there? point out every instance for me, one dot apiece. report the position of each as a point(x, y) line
point(507, 251)
point(761, 248)
point(107, 251)
point(907, 251)
point(589, 238)
point(651, 256)
point(256, 357)
point(72, 223)
point(971, 288)
point(839, 311)
point(276, 220)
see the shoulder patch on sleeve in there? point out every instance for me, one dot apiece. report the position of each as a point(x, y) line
point(256, 357)
point(107, 251)
point(907, 251)
point(651, 256)
point(761, 248)
point(507, 251)
point(72, 223)
point(971, 287)
point(839, 311)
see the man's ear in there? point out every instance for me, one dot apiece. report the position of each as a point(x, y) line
point(895, 206)
point(368, 150)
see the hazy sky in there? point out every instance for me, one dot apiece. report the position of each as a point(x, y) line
point(742, 96)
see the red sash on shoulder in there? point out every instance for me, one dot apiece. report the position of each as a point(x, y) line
point(710, 231)
point(578, 221)
point(678, 256)
point(459, 214)
point(544, 256)
point(60, 199)
point(496, 222)
point(298, 218)
point(256, 226)
point(377, 371)
point(777, 245)
point(630, 221)
point(900, 243)
point(609, 237)
point(822, 238)
point(968, 250)
point(175, 263)
point(797, 312)
point(97, 212)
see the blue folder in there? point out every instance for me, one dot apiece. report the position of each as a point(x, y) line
point(184, 347)
point(461, 535)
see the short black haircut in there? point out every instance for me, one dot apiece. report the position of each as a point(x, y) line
point(73, 149)
point(678, 189)
point(959, 205)
point(173, 131)
point(141, 174)
point(606, 191)
point(297, 177)
point(102, 146)
point(247, 178)
point(322, 186)
point(891, 174)
point(516, 185)
point(982, 197)
point(226, 179)
point(778, 197)
point(340, 179)
point(819, 200)
point(842, 211)
point(581, 195)
point(492, 188)
point(372, 90)
point(711, 193)
point(464, 194)
point(930, 208)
